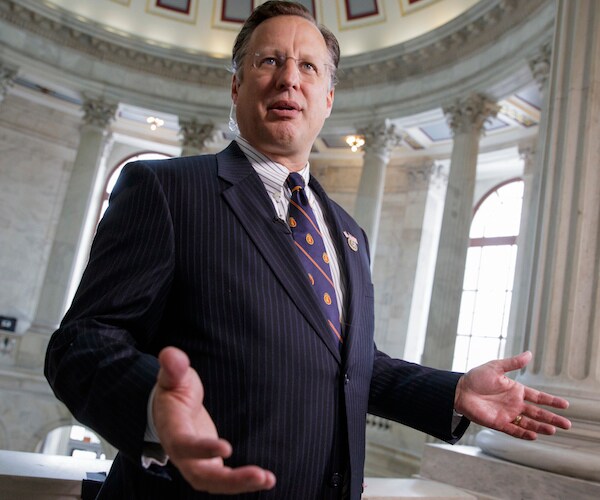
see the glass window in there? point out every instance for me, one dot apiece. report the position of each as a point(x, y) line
point(489, 275)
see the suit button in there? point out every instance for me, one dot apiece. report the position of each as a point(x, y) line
point(346, 379)
point(336, 480)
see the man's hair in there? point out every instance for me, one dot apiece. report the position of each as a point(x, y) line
point(275, 8)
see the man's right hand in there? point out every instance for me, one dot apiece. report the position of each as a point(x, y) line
point(189, 436)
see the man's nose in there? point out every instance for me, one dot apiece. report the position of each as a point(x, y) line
point(289, 74)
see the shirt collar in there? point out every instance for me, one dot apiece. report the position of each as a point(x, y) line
point(272, 174)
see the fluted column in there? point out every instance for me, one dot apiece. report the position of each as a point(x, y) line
point(380, 139)
point(194, 136)
point(81, 198)
point(7, 78)
point(563, 322)
point(466, 119)
point(532, 179)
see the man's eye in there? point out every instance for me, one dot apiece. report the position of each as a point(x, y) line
point(308, 67)
point(268, 61)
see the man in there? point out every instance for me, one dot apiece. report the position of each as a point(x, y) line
point(197, 327)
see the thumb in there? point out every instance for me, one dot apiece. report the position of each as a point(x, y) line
point(174, 364)
point(516, 362)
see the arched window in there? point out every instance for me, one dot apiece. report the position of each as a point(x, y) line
point(74, 441)
point(489, 276)
point(114, 175)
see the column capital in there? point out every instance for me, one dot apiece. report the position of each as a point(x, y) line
point(470, 114)
point(194, 134)
point(7, 78)
point(421, 176)
point(380, 137)
point(98, 112)
point(540, 66)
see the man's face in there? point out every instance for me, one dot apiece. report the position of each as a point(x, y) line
point(281, 101)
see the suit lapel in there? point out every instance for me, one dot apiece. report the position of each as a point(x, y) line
point(248, 199)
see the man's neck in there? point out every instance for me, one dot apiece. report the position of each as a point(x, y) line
point(293, 163)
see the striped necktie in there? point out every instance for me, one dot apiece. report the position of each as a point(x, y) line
point(311, 250)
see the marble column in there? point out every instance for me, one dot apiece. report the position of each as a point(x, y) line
point(380, 139)
point(7, 78)
point(466, 118)
point(563, 320)
point(532, 179)
point(75, 226)
point(194, 136)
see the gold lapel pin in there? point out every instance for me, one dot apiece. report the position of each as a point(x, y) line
point(352, 241)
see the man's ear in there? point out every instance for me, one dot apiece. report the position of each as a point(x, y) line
point(329, 98)
point(234, 89)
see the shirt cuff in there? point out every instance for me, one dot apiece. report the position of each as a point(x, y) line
point(152, 452)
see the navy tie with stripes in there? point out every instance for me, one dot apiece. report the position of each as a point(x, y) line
point(311, 250)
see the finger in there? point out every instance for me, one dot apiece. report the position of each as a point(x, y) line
point(214, 478)
point(516, 362)
point(173, 366)
point(546, 417)
point(519, 431)
point(543, 398)
point(535, 426)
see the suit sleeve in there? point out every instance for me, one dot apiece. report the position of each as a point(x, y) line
point(99, 362)
point(415, 395)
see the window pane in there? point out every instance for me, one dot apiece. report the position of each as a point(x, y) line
point(461, 353)
point(489, 312)
point(465, 318)
point(495, 263)
point(481, 351)
point(472, 268)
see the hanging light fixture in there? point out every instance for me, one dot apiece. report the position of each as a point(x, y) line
point(355, 142)
point(154, 122)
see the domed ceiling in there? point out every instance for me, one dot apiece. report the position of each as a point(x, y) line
point(210, 26)
point(386, 46)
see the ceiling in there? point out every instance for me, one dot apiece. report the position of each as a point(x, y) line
point(210, 26)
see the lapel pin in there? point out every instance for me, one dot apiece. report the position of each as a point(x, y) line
point(352, 241)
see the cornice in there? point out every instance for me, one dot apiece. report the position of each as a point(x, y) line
point(478, 27)
point(130, 52)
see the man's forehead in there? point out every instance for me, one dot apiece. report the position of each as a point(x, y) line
point(278, 31)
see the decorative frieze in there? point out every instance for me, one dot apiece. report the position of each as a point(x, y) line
point(496, 17)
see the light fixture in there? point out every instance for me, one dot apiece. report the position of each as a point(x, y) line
point(355, 142)
point(154, 122)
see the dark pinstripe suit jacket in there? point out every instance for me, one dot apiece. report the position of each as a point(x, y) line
point(189, 254)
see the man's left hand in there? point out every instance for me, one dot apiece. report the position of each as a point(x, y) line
point(486, 396)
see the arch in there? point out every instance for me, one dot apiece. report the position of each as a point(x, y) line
point(113, 174)
point(489, 273)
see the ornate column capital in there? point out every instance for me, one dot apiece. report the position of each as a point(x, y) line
point(421, 176)
point(540, 66)
point(194, 134)
point(470, 114)
point(98, 112)
point(7, 78)
point(380, 137)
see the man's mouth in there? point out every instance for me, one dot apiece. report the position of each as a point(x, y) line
point(285, 106)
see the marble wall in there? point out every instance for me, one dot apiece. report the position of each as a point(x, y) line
point(37, 148)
